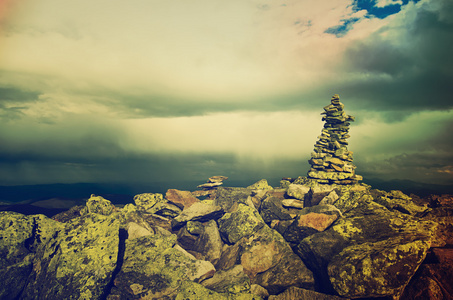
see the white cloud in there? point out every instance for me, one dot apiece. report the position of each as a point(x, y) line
point(384, 3)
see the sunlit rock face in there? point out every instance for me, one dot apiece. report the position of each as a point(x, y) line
point(331, 161)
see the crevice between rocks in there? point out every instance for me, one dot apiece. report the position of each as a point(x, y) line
point(123, 235)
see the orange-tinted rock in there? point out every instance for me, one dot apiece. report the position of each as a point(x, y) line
point(182, 199)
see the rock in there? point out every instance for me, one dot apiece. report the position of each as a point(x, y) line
point(182, 199)
point(272, 209)
point(269, 261)
point(149, 202)
point(433, 278)
point(153, 269)
point(209, 185)
point(318, 192)
point(78, 262)
point(73, 212)
point(168, 210)
point(248, 218)
point(209, 243)
point(217, 178)
point(260, 185)
point(329, 199)
point(294, 292)
point(256, 197)
point(195, 291)
point(232, 281)
point(99, 205)
point(292, 203)
point(199, 211)
point(135, 231)
point(377, 269)
point(382, 249)
point(228, 197)
point(258, 290)
point(396, 200)
point(229, 257)
point(306, 225)
point(443, 216)
point(21, 237)
point(297, 191)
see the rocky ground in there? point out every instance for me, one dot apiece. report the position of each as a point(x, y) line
point(302, 240)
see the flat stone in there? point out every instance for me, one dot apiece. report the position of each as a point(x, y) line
point(293, 203)
point(199, 211)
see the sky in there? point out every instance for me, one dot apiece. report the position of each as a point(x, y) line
point(145, 90)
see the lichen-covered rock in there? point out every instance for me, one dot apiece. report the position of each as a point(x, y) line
point(442, 215)
point(397, 200)
point(149, 202)
point(272, 209)
point(377, 269)
point(297, 293)
point(73, 212)
point(365, 233)
point(153, 268)
point(297, 191)
point(233, 281)
point(99, 205)
point(229, 197)
point(78, 262)
point(260, 185)
point(209, 244)
point(200, 211)
point(20, 238)
point(248, 218)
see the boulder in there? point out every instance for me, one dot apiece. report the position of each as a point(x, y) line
point(248, 218)
point(297, 191)
point(99, 205)
point(331, 198)
point(182, 199)
point(294, 292)
point(383, 249)
point(397, 200)
point(307, 224)
point(260, 185)
point(73, 212)
point(442, 215)
point(433, 279)
point(153, 268)
point(77, 262)
point(21, 237)
point(269, 261)
point(200, 211)
point(149, 202)
point(209, 243)
point(229, 197)
point(272, 209)
point(231, 281)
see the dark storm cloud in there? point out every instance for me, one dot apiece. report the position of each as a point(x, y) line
point(411, 73)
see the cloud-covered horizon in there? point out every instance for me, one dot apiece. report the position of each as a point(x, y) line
point(150, 90)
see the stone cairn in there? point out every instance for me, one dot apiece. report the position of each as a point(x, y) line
point(331, 161)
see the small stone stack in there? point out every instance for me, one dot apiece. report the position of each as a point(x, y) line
point(331, 161)
point(213, 182)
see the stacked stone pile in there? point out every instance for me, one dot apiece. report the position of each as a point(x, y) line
point(213, 182)
point(331, 161)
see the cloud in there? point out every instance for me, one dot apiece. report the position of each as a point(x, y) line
point(168, 89)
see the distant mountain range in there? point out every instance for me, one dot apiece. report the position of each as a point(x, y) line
point(50, 199)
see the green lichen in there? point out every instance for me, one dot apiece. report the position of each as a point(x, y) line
point(248, 217)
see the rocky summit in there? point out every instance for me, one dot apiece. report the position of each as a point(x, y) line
point(323, 237)
point(331, 161)
point(300, 240)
